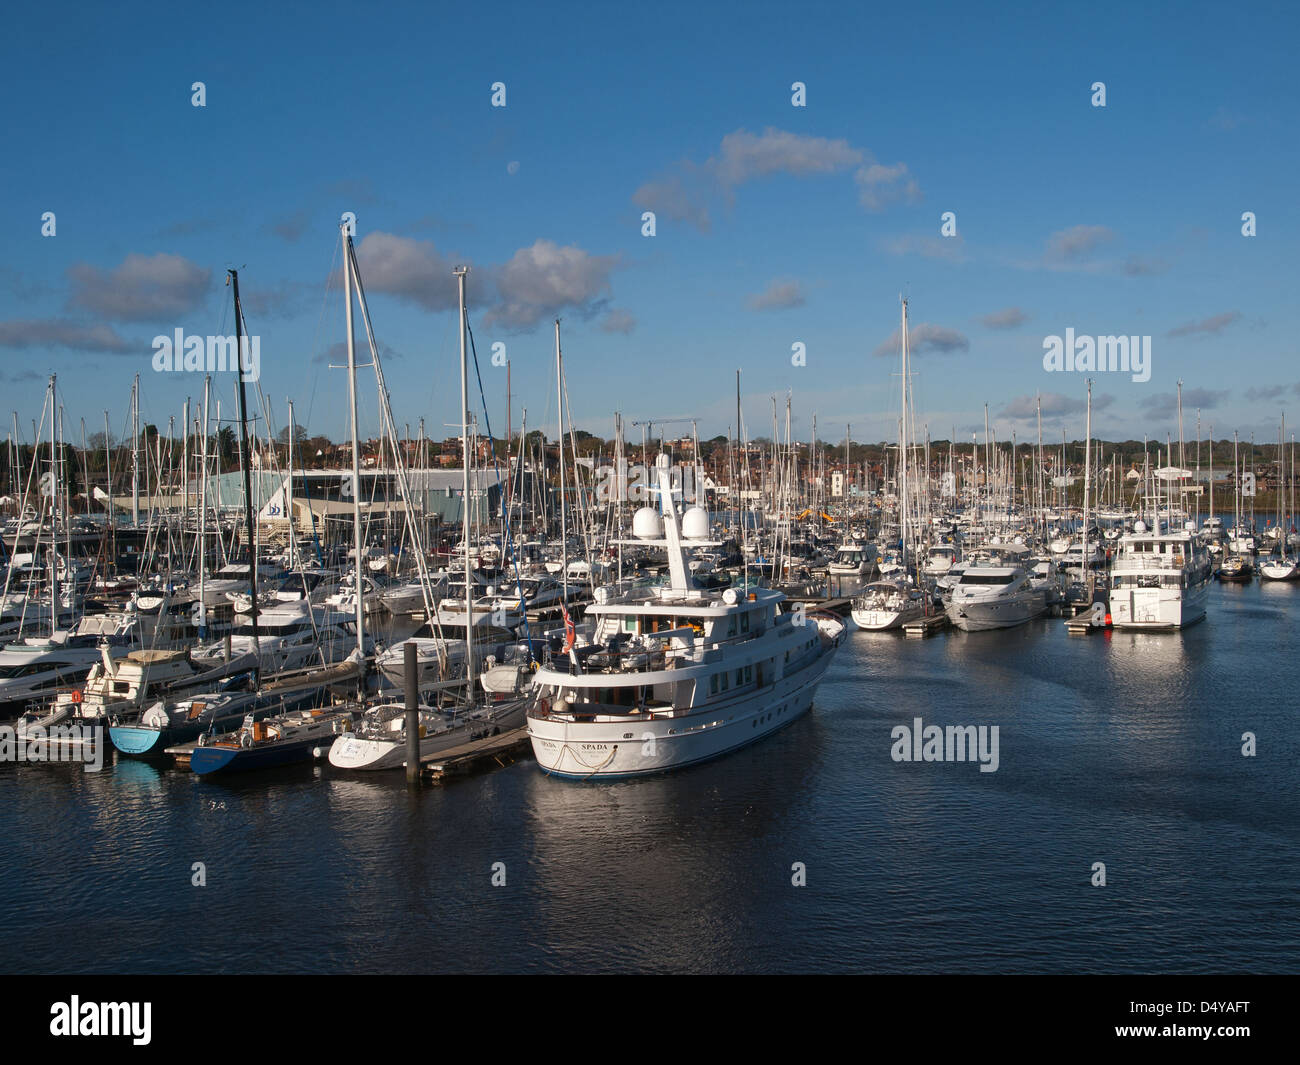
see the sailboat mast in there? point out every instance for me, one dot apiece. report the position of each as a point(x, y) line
point(461, 272)
point(356, 444)
point(135, 452)
point(248, 467)
point(54, 514)
point(1087, 485)
point(559, 406)
point(902, 451)
point(288, 494)
point(203, 509)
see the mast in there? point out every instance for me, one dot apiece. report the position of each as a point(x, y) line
point(248, 471)
point(1038, 480)
point(902, 450)
point(460, 272)
point(1236, 477)
point(1198, 467)
point(559, 399)
point(1211, 469)
point(1087, 484)
point(356, 444)
point(54, 514)
point(135, 450)
point(203, 508)
point(185, 459)
point(288, 493)
point(85, 467)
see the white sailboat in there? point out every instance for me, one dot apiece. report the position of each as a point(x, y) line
point(885, 605)
point(378, 740)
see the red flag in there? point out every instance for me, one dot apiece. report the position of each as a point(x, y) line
point(570, 632)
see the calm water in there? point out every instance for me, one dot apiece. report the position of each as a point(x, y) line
point(1124, 749)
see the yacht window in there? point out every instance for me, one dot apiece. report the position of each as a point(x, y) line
point(744, 621)
point(987, 578)
point(713, 684)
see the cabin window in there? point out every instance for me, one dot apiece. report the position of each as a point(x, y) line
point(731, 625)
point(744, 621)
point(629, 623)
point(749, 674)
point(726, 678)
point(740, 677)
point(713, 684)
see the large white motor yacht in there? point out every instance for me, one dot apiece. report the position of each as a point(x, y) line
point(1159, 579)
point(997, 591)
point(676, 674)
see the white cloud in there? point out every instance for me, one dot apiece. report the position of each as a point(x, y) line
point(742, 156)
point(142, 288)
point(779, 294)
point(924, 337)
point(544, 279)
point(1213, 325)
point(1005, 319)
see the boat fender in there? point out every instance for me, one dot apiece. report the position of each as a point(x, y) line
point(246, 740)
point(203, 739)
point(116, 721)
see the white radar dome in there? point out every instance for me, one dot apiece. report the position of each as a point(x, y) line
point(646, 524)
point(695, 524)
point(1139, 526)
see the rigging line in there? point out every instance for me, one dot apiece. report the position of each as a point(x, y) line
point(320, 322)
point(505, 517)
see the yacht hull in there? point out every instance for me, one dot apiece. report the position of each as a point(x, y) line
point(229, 759)
point(1279, 571)
point(351, 751)
point(1158, 609)
point(640, 747)
point(884, 620)
point(997, 614)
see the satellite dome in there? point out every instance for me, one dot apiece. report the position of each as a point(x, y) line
point(1139, 526)
point(695, 524)
point(646, 524)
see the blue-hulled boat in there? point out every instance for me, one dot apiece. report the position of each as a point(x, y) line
point(273, 741)
point(167, 724)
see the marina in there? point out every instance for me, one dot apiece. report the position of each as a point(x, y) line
point(900, 842)
point(556, 639)
point(511, 490)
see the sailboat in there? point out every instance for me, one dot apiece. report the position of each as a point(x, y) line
point(893, 601)
point(379, 739)
point(292, 736)
point(1237, 566)
point(1283, 566)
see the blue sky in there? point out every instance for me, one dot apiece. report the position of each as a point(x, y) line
point(775, 224)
